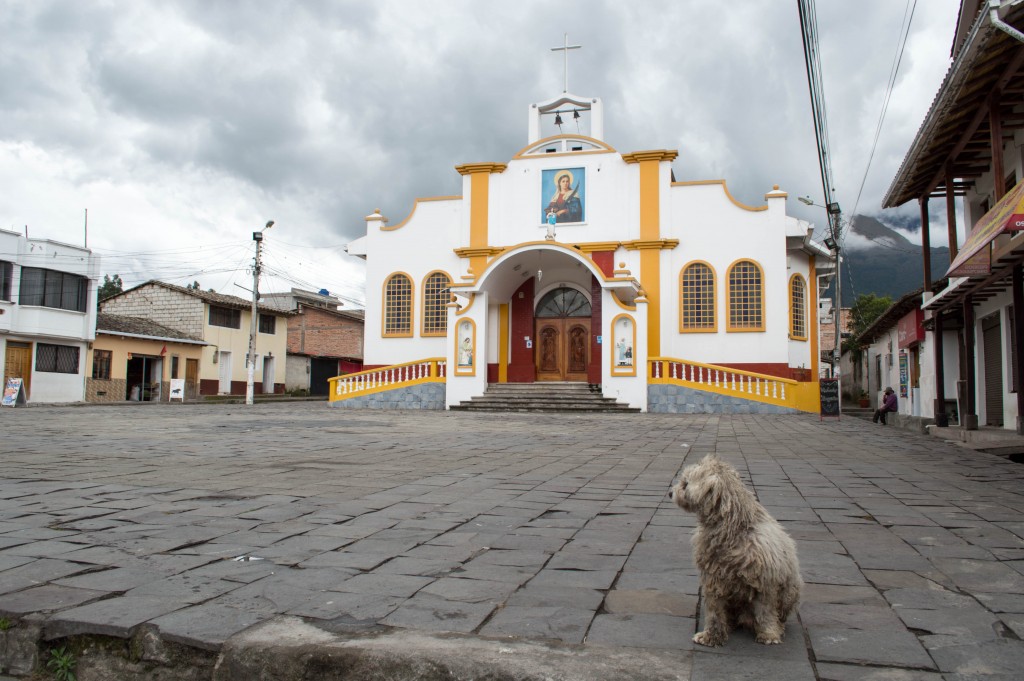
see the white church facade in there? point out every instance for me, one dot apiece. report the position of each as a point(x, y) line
point(575, 262)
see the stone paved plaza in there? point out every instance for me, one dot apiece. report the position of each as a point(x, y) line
point(200, 526)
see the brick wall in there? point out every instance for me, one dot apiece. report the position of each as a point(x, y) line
point(321, 333)
point(164, 306)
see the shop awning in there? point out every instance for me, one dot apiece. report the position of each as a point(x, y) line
point(1006, 216)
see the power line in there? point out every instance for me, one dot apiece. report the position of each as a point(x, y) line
point(908, 17)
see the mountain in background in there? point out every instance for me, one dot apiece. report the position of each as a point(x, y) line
point(889, 265)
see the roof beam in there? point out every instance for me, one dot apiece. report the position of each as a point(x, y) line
point(979, 115)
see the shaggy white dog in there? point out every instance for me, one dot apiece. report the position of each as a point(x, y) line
point(749, 572)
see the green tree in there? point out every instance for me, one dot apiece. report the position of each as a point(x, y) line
point(109, 287)
point(863, 313)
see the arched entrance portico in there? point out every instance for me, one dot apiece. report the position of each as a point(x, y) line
point(544, 303)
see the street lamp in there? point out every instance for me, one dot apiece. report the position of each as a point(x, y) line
point(250, 360)
point(833, 245)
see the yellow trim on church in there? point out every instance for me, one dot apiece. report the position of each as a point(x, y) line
point(415, 203)
point(486, 251)
point(650, 244)
point(650, 236)
point(595, 246)
point(812, 313)
point(725, 188)
point(525, 151)
point(477, 168)
point(658, 155)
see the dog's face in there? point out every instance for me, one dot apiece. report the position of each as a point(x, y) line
point(690, 492)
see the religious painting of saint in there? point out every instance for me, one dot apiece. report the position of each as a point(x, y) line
point(563, 195)
point(624, 335)
point(464, 350)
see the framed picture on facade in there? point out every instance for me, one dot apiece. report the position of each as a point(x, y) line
point(623, 346)
point(563, 195)
point(465, 348)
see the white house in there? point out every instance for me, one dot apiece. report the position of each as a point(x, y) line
point(47, 315)
point(572, 261)
point(970, 146)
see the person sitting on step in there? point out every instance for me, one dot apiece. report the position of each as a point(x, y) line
point(888, 405)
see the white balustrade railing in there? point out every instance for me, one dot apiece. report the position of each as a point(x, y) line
point(395, 376)
point(744, 384)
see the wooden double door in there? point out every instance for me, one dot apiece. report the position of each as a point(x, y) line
point(562, 352)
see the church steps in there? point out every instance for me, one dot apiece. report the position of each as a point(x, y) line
point(542, 397)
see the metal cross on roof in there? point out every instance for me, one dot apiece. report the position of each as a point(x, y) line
point(565, 53)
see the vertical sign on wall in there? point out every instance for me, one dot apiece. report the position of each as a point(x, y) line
point(904, 374)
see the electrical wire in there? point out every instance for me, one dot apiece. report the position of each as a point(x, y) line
point(908, 17)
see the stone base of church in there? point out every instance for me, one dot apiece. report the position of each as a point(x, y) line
point(672, 399)
point(428, 396)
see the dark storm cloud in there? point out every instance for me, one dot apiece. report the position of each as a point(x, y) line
point(330, 109)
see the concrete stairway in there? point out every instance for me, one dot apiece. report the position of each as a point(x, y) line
point(546, 396)
point(852, 410)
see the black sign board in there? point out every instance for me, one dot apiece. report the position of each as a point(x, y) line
point(828, 389)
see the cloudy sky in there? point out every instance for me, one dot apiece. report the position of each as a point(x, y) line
point(184, 125)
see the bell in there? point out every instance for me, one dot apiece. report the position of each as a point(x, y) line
point(575, 115)
point(558, 119)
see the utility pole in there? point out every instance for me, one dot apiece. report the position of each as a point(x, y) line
point(834, 218)
point(250, 359)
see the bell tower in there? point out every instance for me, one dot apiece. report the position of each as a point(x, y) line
point(568, 104)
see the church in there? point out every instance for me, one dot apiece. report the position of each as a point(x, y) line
point(572, 261)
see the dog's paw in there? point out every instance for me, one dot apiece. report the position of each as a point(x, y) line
point(768, 639)
point(706, 639)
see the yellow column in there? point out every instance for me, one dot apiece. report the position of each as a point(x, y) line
point(479, 201)
point(812, 315)
point(650, 232)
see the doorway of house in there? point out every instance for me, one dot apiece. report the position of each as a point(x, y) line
point(225, 373)
point(993, 348)
point(144, 374)
point(562, 330)
point(320, 370)
point(191, 378)
point(18, 364)
point(268, 375)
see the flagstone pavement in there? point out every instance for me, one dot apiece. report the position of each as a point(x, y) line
point(201, 526)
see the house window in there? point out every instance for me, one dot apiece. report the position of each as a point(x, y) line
point(50, 288)
point(101, 364)
point(57, 359)
point(436, 293)
point(6, 278)
point(174, 366)
point(697, 298)
point(797, 308)
point(226, 317)
point(746, 297)
point(268, 324)
point(398, 306)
